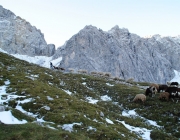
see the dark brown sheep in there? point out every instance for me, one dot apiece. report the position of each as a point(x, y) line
point(148, 92)
point(174, 84)
point(162, 88)
point(174, 92)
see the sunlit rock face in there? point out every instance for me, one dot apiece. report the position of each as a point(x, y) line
point(117, 51)
point(18, 36)
point(122, 53)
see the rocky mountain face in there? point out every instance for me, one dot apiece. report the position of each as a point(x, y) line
point(122, 53)
point(18, 36)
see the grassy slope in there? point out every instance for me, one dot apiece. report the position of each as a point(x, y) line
point(67, 109)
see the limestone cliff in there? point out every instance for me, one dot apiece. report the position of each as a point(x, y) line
point(123, 54)
point(18, 36)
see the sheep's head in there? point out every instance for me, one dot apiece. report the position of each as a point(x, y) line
point(153, 89)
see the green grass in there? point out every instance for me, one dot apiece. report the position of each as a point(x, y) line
point(32, 131)
point(38, 83)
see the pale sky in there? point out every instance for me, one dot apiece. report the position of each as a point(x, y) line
point(59, 20)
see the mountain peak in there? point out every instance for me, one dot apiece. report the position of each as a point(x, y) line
point(90, 27)
point(19, 37)
point(117, 29)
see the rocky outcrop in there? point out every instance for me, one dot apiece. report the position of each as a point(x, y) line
point(119, 52)
point(123, 54)
point(18, 36)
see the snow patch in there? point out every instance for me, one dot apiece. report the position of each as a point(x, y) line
point(91, 100)
point(69, 127)
point(109, 121)
point(67, 91)
point(7, 118)
point(105, 98)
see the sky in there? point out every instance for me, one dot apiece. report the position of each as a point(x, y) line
point(59, 20)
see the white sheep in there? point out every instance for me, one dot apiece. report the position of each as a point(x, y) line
point(71, 70)
point(82, 71)
point(94, 73)
point(107, 74)
point(100, 74)
point(141, 97)
point(116, 78)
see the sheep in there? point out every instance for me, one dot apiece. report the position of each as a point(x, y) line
point(156, 86)
point(164, 95)
point(168, 83)
point(141, 97)
point(71, 70)
point(162, 88)
point(82, 71)
point(100, 74)
point(93, 73)
point(116, 78)
point(107, 74)
point(148, 92)
point(174, 84)
point(130, 80)
point(174, 92)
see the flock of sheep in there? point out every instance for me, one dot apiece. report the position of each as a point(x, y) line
point(82, 71)
point(170, 90)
